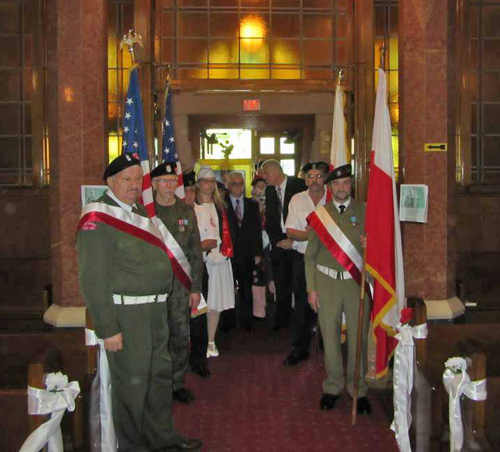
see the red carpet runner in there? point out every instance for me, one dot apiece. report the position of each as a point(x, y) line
point(253, 403)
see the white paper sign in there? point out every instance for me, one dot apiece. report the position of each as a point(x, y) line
point(413, 203)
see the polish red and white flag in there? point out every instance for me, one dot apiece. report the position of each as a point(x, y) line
point(384, 252)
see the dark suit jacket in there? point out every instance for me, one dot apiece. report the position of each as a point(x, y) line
point(294, 185)
point(247, 238)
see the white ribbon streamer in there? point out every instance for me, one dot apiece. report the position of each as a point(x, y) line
point(54, 401)
point(456, 381)
point(107, 432)
point(404, 362)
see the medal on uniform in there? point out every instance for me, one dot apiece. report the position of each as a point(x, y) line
point(354, 220)
point(181, 225)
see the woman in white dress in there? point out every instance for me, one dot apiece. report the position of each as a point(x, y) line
point(214, 230)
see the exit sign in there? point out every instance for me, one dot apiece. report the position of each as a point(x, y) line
point(251, 105)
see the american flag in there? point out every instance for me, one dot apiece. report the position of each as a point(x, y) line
point(134, 138)
point(170, 146)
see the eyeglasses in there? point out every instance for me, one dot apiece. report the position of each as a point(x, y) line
point(237, 184)
point(166, 181)
point(207, 181)
point(315, 176)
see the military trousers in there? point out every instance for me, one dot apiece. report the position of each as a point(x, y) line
point(178, 323)
point(337, 296)
point(141, 379)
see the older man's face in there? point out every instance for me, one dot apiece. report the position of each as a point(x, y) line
point(236, 185)
point(271, 174)
point(315, 179)
point(341, 189)
point(165, 185)
point(127, 184)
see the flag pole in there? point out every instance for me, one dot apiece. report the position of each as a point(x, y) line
point(129, 40)
point(361, 316)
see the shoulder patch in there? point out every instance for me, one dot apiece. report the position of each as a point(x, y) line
point(89, 226)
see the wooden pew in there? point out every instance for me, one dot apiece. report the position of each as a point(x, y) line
point(72, 425)
point(477, 344)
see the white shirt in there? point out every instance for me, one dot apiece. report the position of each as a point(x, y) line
point(233, 202)
point(127, 207)
point(301, 205)
point(208, 223)
point(282, 186)
point(338, 204)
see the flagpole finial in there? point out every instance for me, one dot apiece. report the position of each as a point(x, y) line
point(340, 76)
point(129, 40)
point(383, 49)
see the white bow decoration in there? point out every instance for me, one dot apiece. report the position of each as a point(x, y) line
point(404, 360)
point(457, 382)
point(107, 440)
point(55, 400)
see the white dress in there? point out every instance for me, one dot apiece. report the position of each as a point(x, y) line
point(220, 273)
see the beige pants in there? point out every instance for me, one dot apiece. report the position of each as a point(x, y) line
point(335, 297)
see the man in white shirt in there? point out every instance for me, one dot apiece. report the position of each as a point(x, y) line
point(297, 229)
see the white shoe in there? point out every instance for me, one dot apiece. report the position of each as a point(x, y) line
point(212, 351)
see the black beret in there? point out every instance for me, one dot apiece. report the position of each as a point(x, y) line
point(339, 173)
point(322, 166)
point(120, 163)
point(164, 169)
point(189, 179)
point(258, 179)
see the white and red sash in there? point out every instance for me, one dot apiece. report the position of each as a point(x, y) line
point(137, 226)
point(176, 250)
point(336, 242)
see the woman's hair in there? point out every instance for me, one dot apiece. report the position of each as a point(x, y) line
point(218, 201)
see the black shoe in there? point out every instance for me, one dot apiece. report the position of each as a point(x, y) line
point(327, 402)
point(183, 395)
point(185, 444)
point(364, 406)
point(295, 358)
point(202, 371)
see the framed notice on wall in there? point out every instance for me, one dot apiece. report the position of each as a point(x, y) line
point(91, 193)
point(413, 203)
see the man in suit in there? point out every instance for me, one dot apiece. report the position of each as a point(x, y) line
point(279, 191)
point(246, 233)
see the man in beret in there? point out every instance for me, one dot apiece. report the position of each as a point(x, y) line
point(331, 288)
point(179, 219)
point(297, 229)
point(189, 188)
point(126, 279)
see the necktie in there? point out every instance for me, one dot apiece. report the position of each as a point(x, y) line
point(237, 211)
point(341, 208)
point(280, 200)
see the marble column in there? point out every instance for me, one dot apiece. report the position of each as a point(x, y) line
point(428, 93)
point(76, 101)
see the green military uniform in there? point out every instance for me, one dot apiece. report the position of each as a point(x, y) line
point(114, 262)
point(180, 220)
point(337, 296)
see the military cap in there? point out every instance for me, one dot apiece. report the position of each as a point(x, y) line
point(258, 179)
point(322, 166)
point(120, 163)
point(339, 173)
point(189, 179)
point(205, 172)
point(164, 169)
